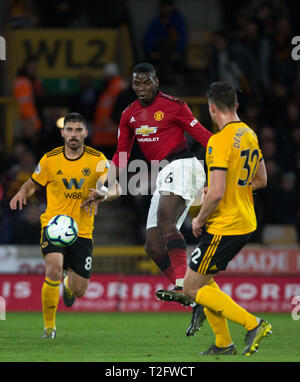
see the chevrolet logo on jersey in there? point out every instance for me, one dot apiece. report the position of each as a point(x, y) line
point(145, 130)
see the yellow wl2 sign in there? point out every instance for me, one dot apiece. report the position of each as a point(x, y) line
point(64, 53)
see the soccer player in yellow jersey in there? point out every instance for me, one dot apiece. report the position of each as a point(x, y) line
point(68, 173)
point(226, 220)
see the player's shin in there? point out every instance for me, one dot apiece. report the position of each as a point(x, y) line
point(50, 299)
point(155, 249)
point(218, 323)
point(219, 326)
point(166, 268)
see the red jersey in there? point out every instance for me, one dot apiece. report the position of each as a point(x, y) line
point(158, 128)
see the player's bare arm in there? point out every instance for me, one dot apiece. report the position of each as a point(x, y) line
point(97, 196)
point(213, 196)
point(20, 198)
point(260, 178)
point(103, 193)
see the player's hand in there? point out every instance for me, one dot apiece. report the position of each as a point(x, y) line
point(94, 199)
point(197, 226)
point(19, 199)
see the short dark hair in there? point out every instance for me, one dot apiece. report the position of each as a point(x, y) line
point(144, 67)
point(74, 117)
point(222, 95)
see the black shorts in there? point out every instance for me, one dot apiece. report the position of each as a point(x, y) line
point(214, 252)
point(77, 256)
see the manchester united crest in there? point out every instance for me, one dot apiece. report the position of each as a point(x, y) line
point(159, 115)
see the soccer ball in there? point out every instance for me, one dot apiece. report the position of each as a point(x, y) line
point(62, 230)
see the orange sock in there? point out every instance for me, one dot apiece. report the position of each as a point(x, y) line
point(218, 301)
point(50, 299)
point(218, 323)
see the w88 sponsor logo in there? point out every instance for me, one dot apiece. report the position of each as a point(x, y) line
point(73, 195)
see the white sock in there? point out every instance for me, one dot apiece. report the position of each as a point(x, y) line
point(179, 282)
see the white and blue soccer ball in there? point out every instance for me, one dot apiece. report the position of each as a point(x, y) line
point(62, 230)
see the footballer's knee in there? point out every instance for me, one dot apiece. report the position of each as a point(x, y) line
point(79, 290)
point(153, 249)
point(54, 266)
point(77, 283)
point(168, 229)
point(150, 247)
point(167, 226)
point(54, 272)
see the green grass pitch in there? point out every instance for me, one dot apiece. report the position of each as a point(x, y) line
point(135, 337)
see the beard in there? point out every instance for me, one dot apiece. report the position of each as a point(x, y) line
point(74, 144)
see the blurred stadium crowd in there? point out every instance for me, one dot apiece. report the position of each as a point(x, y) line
point(251, 50)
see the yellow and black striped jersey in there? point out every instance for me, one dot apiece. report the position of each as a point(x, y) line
point(68, 183)
point(234, 149)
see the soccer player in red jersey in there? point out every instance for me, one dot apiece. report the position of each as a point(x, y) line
point(158, 122)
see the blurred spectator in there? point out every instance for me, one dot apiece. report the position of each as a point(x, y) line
point(27, 92)
point(105, 130)
point(85, 101)
point(107, 14)
point(295, 140)
point(18, 174)
point(294, 12)
point(269, 150)
point(21, 16)
point(253, 113)
point(224, 64)
point(288, 128)
point(265, 12)
point(51, 136)
point(58, 13)
point(266, 134)
point(20, 147)
point(281, 200)
point(293, 114)
point(293, 148)
point(278, 70)
point(126, 97)
point(246, 52)
point(6, 226)
point(273, 170)
point(166, 41)
point(27, 229)
point(6, 160)
point(297, 172)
